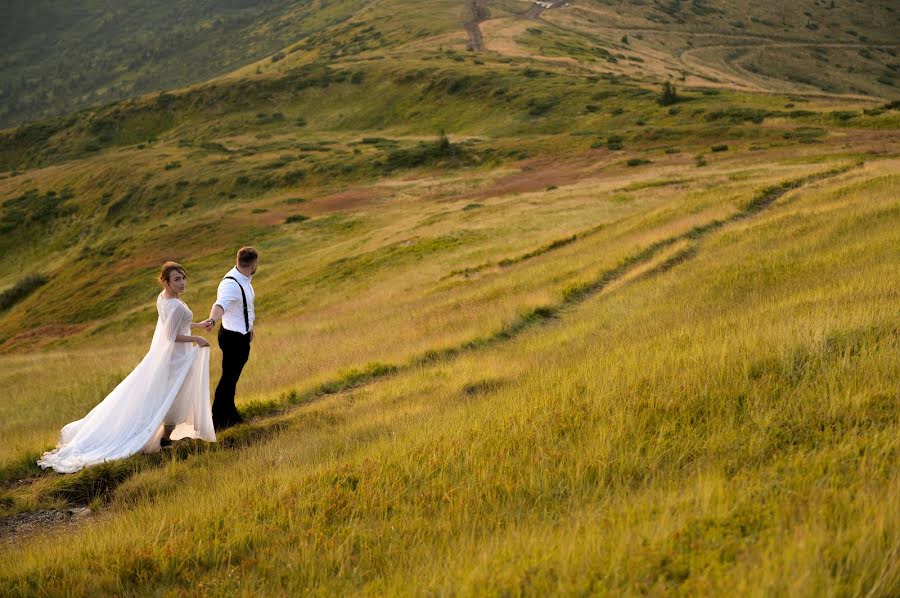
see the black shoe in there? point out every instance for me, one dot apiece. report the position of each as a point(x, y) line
point(232, 420)
point(165, 442)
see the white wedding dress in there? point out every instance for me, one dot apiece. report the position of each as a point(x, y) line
point(170, 386)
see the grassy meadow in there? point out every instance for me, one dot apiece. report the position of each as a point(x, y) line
point(522, 330)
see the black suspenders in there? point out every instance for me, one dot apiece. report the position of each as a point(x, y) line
point(244, 298)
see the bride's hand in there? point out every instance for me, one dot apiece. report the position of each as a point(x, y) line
point(202, 341)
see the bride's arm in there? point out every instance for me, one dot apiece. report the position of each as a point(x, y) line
point(184, 338)
point(175, 317)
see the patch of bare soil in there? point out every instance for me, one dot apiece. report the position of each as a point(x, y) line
point(41, 336)
point(534, 175)
point(346, 200)
point(16, 527)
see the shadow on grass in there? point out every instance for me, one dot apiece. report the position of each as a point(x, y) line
point(99, 482)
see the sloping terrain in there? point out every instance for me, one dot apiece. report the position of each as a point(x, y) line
point(59, 58)
point(527, 324)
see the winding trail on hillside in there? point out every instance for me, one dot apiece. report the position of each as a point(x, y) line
point(267, 419)
point(732, 75)
point(689, 59)
point(535, 10)
point(480, 13)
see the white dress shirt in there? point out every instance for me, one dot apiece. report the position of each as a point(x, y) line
point(228, 298)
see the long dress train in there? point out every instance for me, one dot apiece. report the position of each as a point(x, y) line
point(169, 386)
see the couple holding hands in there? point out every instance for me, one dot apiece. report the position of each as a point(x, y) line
point(166, 397)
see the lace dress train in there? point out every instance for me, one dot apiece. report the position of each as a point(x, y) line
point(170, 386)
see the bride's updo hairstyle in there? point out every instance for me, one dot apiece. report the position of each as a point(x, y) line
point(167, 270)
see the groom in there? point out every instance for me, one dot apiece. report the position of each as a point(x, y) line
point(234, 307)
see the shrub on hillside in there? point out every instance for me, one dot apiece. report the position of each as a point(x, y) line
point(21, 289)
point(614, 142)
point(737, 115)
point(668, 96)
point(441, 151)
point(32, 208)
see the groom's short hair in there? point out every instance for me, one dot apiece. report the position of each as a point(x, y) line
point(247, 255)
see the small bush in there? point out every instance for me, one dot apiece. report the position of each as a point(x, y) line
point(720, 148)
point(541, 106)
point(668, 95)
point(737, 115)
point(637, 162)
point(295, 218)
point(440, 152)
point(21, 289)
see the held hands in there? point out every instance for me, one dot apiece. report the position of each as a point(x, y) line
point(206, 324)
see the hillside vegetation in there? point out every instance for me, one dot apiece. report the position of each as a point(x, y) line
point(57, 58)
point(525, 324)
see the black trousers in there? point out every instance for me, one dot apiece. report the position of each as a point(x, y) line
point(235, 353)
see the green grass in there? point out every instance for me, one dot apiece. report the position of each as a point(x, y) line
point(539, 354)
point(562, 471)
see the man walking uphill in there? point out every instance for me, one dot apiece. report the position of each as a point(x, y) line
point(234, 307)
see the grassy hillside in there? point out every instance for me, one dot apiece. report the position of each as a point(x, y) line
point(523, 328)
point(58, 58)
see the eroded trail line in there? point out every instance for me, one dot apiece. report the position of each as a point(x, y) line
point(479, 13)
point(269, 418)
point(538, 7)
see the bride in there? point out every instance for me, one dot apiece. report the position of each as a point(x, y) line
point(165, 398)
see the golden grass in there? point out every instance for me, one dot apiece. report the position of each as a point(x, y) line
point(725, 425)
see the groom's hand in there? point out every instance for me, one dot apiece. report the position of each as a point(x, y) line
point(207, 324)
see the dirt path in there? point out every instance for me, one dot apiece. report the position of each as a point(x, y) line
point(658, 257)
point(479, 13)
point(749, 80)
point(716, 71)
point(538, 7)
point(17, 527)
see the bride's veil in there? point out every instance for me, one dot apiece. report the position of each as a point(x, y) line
point(130, 416)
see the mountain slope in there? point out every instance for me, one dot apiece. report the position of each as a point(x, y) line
point(59, 57)
point(527, 324)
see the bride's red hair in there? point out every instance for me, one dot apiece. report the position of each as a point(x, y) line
point(168, 268)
